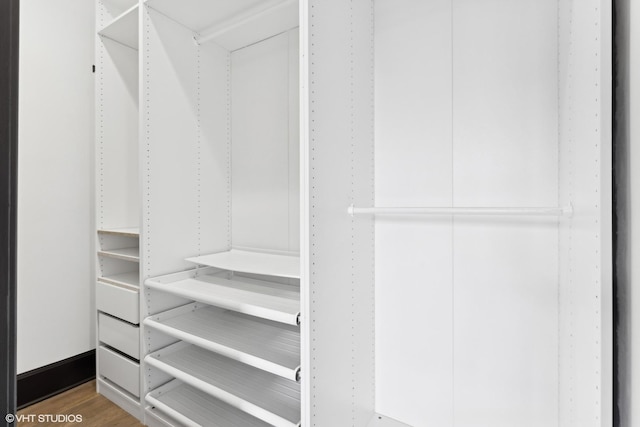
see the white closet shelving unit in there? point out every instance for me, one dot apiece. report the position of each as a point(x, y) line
point(118, 204)
point(222, 315)
point(367, 213)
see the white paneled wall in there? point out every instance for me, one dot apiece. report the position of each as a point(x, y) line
point(265, 159)
point(413, 125)
point(505, 270)
point(473, 315)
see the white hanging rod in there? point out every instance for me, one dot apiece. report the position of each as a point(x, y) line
point(505, 211)
point(238, 21)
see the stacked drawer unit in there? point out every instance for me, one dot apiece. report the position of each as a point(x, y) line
point(118, 306)
point(235, 354)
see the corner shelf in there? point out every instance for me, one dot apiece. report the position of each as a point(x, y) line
point(268, 397)
point(126, 254)
point(177, 399)
point(267, 300)
point(252, 262)
point(265, 345)
point(124, 28)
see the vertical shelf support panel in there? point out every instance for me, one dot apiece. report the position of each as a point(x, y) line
point(585, 241)
point(339, 295)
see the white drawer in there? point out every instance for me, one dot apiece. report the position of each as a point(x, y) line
point(120, 335)
point(118, 301)
point(119, 370)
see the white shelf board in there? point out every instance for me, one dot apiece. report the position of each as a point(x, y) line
point(251, 27)
point(199, 15)
point(267, 300)
point(131, 278)
point(193, 408)
point(126, 232)
point(127, 254)
point(382, 421)
point(270, 346)
point(124, 28)
point(252, 262)
point(268, 397)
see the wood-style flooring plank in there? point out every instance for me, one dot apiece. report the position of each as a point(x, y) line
point(96, 410)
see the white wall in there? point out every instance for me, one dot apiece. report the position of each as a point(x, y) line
point(55, 251)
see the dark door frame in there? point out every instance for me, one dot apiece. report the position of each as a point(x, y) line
point(9, 47)
point(621, 215)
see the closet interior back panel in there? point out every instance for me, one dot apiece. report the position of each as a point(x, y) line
point(117, 133)
point(413, 151)
point(469, 315)
point(265, 159)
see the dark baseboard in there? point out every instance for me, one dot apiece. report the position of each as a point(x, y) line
point(47, 381)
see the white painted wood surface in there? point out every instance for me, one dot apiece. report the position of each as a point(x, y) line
point(120, 335)
point(267, 397)
point(265, 345)
point(262, 143)
point(127, 232)
point(487, 130)
point(413, 168)
point(128, 279)
point(338, 149)
point(124, 28)
point(118, 301)
point(259, 298)
point(194, 408)
point(125, 254)
point(119, 370)
point(252, 262)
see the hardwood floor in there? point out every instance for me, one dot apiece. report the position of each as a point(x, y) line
point(96, 410)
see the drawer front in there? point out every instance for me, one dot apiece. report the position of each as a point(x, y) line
point(118, 301)
point(120, 335)
point(119, 370)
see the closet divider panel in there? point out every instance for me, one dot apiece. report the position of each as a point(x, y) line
point(586, 283)
point(413, 167)
point(505, 270)
point(294, 141)
point(338, 361)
